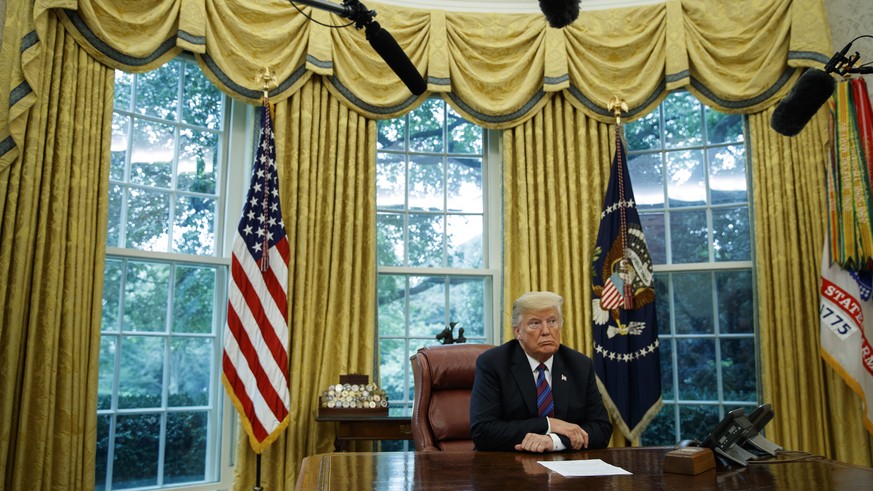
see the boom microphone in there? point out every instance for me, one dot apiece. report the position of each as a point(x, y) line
point(560, 13)
point(381, 40)
point(384, 43)
point(811, 91)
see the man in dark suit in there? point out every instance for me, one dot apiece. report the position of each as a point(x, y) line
point(534, 394)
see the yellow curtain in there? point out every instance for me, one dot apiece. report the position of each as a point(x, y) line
point(816, 411)
point(328, 191)
point(53, 222)
point(496, 69)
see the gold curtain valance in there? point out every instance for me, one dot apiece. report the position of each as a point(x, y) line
point(495, 69)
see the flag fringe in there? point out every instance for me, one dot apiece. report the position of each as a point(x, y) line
point(257, 446)
point(637, 431)
point(851, 382)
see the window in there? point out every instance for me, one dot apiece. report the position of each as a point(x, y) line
point(161, 419)
point(688, 168)
point(436, 261)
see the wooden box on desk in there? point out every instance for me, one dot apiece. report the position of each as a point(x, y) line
point(689, 461)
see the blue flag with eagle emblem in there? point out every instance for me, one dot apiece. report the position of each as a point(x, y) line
point(626, 354)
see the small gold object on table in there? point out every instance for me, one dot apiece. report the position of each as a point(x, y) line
point(353, 396)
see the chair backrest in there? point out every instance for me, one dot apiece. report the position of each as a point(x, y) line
point(443, 378)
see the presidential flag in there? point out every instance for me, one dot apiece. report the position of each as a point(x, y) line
point(255, 362)
point(626, 354)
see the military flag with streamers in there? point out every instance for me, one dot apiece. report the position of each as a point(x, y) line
point(845, 306)
point(255, 362)
point(626, 353)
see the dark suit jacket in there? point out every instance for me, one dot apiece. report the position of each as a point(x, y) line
point(503, 405)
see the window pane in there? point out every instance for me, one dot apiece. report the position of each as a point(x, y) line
point(426, 126)
point(194, 226)
point(157, 92)
point(198, 161)
point(645, 133)
point(662, 303)
point(464, 191)
point(731, 234)
point(148, 217)
point(390, 181)
point(389, 239)
point(738, 369)
point(647, 178)
point(118, 146)
point(464, 137)
point(692, 300)
point(723, 128)
point(392, 134)
point(467, 307)
point(203, 103)
point(151, 161)
point(667, 389)
point(189, 370)
point(686, 184)
point(427, 306)
point(727, 175)
point(111, 303)
point(102, 460)
point(106, 372)
point(123, 86)
point(464, 241)
point(136, 451)
point(688, 237)
point(392, 367)
point(736, 309)
point(185, 459)
point(145, 296)
point(697, 421)
point(655, 231)
point(113, 226)
point(425, 240)
point(193, 299)
point(426, 183)
point(140, 379)
point(392, 305)
point(682, 123)
point(697, 372)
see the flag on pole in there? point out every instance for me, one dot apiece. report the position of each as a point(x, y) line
point(255, 362)
point(846, 280)
point(626, 354)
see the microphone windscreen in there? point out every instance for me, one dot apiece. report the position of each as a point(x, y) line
point(809, 93)
point(560, 13)
point(383, 42)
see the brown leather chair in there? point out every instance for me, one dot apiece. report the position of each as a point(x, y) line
point(443, 378)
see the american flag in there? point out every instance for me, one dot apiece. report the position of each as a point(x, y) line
point(255, 362)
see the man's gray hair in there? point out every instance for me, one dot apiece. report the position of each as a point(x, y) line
point(535, 301)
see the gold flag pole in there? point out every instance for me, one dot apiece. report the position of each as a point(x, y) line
point(617, 105)
point(267, 79)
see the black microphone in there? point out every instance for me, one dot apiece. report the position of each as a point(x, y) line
point(560, 13)
point(381, 40)
point(811, 91)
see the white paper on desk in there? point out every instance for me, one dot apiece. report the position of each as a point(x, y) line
point(590, 467)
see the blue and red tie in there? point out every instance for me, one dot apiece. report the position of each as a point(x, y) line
point(544, 393)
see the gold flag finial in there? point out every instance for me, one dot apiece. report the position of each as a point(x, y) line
point(617, 106)
point(266, 79)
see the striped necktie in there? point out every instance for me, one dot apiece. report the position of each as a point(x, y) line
point(544, 393)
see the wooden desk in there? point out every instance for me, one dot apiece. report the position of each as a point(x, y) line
point(440, 471)
point(368, 428)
